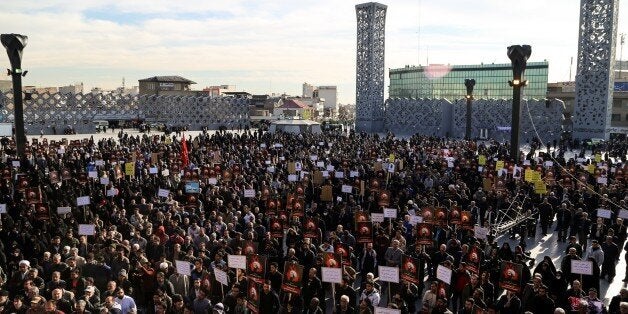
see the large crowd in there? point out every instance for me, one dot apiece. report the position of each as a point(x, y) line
point(258, 223)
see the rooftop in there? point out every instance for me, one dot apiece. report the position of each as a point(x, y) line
point(294, 104)
point(168, 79)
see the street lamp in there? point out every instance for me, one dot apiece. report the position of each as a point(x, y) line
point(518, 57)
point(14, 45)
point(469, 83)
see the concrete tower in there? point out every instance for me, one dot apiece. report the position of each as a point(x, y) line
point(596, 61)
point(369, 76)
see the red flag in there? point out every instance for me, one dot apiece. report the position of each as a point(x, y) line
point(184, 152)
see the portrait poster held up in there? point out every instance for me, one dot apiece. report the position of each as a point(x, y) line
point(292, 278)
point(253, 296)
point(410, 269)
point(510, 275)
point(256, 267)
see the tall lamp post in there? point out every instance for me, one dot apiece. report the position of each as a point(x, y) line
point(469, 83)
point(14, 44)
point(518, 57)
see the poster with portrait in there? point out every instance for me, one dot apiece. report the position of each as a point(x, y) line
point(66, 174)
point(410, 269)
point(473, 260)
point(364, 232)
point(298, 208)
point(343, 250)
point(42, 212)
point(227, 176)
point(466, 220)
point(290, 200)
point(424, 233)
point(327, 194)
point(276, 228)
point(383, 198)
point(32, 195)
point(272, 206)
point(119, 174)
point(310, 228)
point(427, 213)
point(22, 182)
point(375, 185)
point(510, 275)
point(249, 247)
point(454, 215)
point(256, 267)
point(292, 278)
point(332, 260)
point(253, 293)
point(440, 215)
point(361, 216)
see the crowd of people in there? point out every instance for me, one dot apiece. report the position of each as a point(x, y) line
point(150, 224)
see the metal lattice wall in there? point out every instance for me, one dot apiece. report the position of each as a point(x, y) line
point(492, 114)
point(409, 116)
point(52, 113)
point(371, 21)
point(596, 60)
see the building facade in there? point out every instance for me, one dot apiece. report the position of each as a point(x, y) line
point(166, 85)
point(447, 81)
point(330, 105)
point(308, 90)
point(71, 89)
point(219, 90)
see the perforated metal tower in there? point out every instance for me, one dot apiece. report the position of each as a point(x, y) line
point(369, 76)
point(596, 62)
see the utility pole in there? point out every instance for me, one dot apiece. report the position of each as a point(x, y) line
point(518, 57)
point(14, 44)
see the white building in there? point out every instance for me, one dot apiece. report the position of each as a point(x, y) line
point(308, 90)
point(76, 88)
point(215, 91)
point(330, 96)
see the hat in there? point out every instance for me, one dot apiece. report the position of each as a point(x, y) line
point(163, 265)
point(25, 262)
point(90, 288)
point(122, 273)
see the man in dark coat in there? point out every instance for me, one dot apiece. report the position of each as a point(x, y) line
point(269, 301)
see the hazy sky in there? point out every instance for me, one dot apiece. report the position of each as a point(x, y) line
point(268, 46)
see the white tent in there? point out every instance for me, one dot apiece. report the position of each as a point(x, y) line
point(295, 126)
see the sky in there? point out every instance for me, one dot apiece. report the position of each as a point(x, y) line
point(265, 46)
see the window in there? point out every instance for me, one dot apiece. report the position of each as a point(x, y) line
point(615, 117)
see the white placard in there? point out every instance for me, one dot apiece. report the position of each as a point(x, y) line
point(263, 145)
point(320, 164)
point(270, 169)
point(623, 214)
point(267, 162)
point(480, 232)
point(282, 158)
point(165, 173)
point(339, 174)
point(390, 212)
point(153, 170)
point(330, 168)
point(298, 166)
point(303, 174)
point(313, 157)
point(414, 219)
point(112, 192)
point(602, 180)
point(325, 173)
point(163, 192)
point(292, 178)
point(212, 181)
point(347, 188)
point(183, 267)
point(354, 174)
point(104, 180)
point(87, 229)
point(3, 208)
point(15, 163)
point(64, 210)
point(526, 162)
point(389, 274)
point(333, 275)
point(604, 213)
point(391, 167)
point(450, 164)
point(221, 276)
point(82, 201)
point(581, 267)
point(249, 193)
point(321, 143)
point(61, 151)
point(385, 310)
point(548, 163)
point(377, 217)
point(92, 174)
point(236, 261)
point(480, 168)
point(443, 274)
point(99, 162)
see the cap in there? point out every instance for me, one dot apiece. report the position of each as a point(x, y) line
point(25, 262)
point(90, 288)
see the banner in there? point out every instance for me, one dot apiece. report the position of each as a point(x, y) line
point(292, 278)
point(454, 215)
point(364, 232)
point(428, 214)
point(310, 228)
point(410, 269)
point(510, 276)
point(473, 260)
point(326, 193)
point(466, 220)
point(424, 234)
point(249, 247)
point(383, 198)
point(440, 214)
point(33, 195)
point(361, 216)
point(256, 267)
